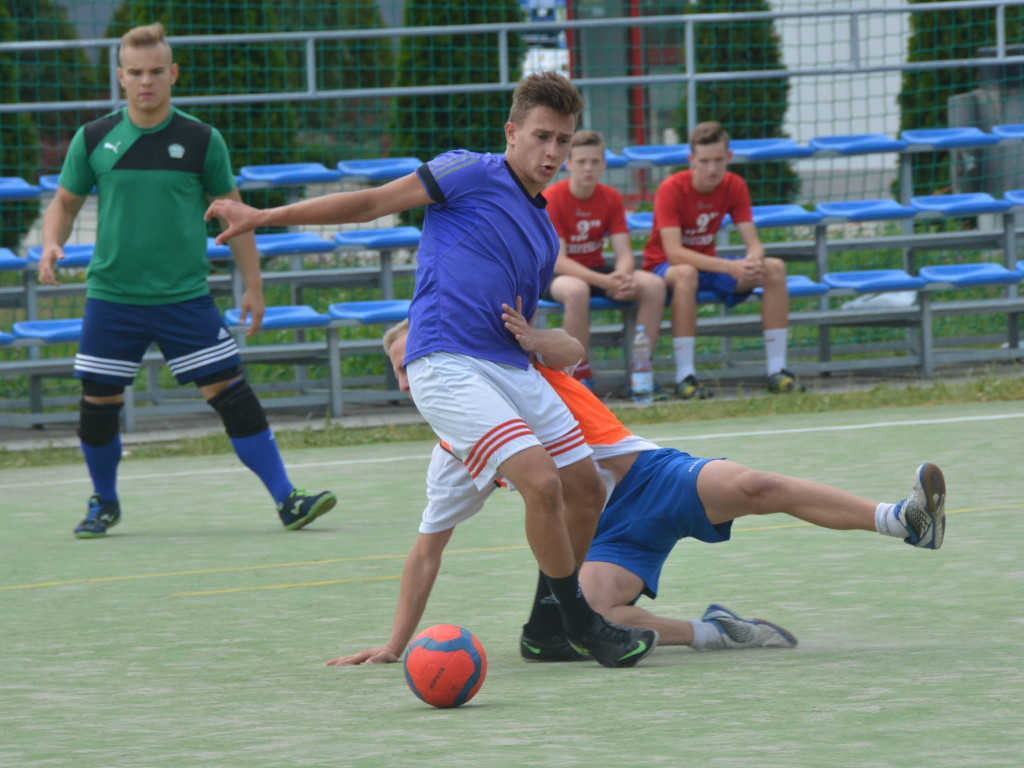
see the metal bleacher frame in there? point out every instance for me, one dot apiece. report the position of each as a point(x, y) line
point(919, 352)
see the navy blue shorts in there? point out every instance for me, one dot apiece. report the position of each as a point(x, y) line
point(719, 283)
point(191, 335)
point(654, 506)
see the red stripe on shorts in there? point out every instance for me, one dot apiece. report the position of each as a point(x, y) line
point(492, 441)
point(566, 445)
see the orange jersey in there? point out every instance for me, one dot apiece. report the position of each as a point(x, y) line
point(599, 425)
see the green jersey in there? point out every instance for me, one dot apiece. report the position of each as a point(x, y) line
point(153, 186)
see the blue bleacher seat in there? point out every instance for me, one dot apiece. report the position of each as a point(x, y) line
point(6, 338)
point(293, 316)
point(800, 287)
point(767, 149)
point(597, 304)
point(1009, 132)
point(1015, 197)
point(965, 275)
point(864, 210)
point(15, 188)
point(1020, 266)
point(874, 280)
point(946, 138)
point(75, 255)
point(367, 312)
point(612, 160)
point(667, 154)
point(641, 221)
point(385, 237)
point(855, 144)
point(967, 204)
point(783, 215)
point(276, 244)
point(286, 174)
point(382, 169)
point(49, 330)
point(8, 261)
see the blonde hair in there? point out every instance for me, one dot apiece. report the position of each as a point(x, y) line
point(144, 37)
point(545, 89)
point(586, 139)
point(392, 334)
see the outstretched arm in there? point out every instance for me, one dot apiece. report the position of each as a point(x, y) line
point(421, 567)
point(337, 208)
point(553, 346)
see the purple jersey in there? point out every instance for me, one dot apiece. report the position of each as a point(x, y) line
point(485, 241)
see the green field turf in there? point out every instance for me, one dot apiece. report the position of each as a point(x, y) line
point(196, 633)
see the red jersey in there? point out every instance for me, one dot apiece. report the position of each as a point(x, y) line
point(583, 224)
point(678, 204)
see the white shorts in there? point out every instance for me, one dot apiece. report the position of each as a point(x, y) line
point(453, 498)
point(487, 412)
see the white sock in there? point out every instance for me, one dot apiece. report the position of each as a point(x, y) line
point(775, 344)
point(706, 636)
point(682, 346)
point(888, 523)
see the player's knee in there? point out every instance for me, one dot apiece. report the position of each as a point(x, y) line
point(774, 270)
point(544, 490)
point(760, 489)
point(98, 423)
point(681, 277)
point(240, 410)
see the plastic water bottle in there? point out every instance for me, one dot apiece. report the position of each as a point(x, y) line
point(641, 380)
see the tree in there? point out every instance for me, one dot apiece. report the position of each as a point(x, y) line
point(747, 109)
point(924, 97)
point(342, 126)
point(425, 126)
point(50, 76)
point(19, 143)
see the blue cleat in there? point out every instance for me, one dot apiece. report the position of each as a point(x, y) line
point(300, 509)
point(102, 516)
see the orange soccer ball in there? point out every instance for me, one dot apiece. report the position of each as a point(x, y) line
point(445, 665)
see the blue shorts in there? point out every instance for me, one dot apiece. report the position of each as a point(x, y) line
point(654, 506)
point(191, 335)
point(719, 283)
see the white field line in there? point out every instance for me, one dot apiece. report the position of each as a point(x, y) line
point(426, 456)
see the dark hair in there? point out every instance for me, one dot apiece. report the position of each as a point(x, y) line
point(545, 89)
point(708, 133)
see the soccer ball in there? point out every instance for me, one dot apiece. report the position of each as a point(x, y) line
point(445, 665)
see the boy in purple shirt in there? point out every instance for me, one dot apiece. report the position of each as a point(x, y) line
point(487, 241)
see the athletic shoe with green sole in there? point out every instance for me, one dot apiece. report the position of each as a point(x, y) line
point(102, 516)
point(613, 645)
point(556, 648)
point(300, 508)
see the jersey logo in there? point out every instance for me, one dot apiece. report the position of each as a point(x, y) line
point(176, 151)
point(223, 334)
point(112, 147)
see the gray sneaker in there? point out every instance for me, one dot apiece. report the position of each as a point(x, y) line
point(924, 511)
point(738, 632)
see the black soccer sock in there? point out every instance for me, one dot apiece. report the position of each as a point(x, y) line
point(545, 619)
point(577, 615)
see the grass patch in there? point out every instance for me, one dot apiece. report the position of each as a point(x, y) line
point(983, 388)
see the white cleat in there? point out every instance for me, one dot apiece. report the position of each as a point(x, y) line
point(738, 632)
point(923, 513)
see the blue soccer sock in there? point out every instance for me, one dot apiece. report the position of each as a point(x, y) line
point(259, 453)
point(102, 461)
